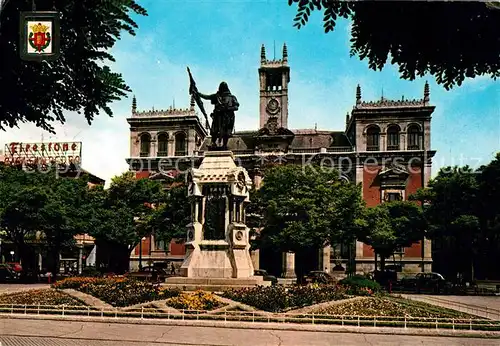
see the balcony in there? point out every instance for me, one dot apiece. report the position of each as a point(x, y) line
point(180, 153)
point(162, 154)
point(413, 147)
point(393, 147)
point(372, 148)
point(144, 154)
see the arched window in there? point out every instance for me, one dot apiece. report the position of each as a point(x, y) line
point(373, 139)
point(145, 145)
point(393, 137)
point(180, 144)
point(414, 138)
point(162, 144)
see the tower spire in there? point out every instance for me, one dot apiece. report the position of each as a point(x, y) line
point(274, 49)
point(192, 103)
point(263, 54)
point(347, 118)
point(427, 93)
point(358, 94)
point(134, 104)
point(285, 53)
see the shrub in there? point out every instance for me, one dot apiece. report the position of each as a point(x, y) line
point(279, 298)
point(359, 285)
point(199, 300)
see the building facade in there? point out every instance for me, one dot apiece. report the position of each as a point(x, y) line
point(385, 146)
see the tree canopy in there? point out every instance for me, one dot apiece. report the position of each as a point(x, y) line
point(39, 205)
point(392, 225)
point(118, 217)
point(171, 216)
point(303, 206)
point(449, 40)
point(78, 81)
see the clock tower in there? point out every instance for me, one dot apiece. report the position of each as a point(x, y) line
point(274, 76)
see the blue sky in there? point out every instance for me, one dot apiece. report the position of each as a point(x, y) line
point(221, 40)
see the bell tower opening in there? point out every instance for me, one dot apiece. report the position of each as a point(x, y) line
point(274, 76)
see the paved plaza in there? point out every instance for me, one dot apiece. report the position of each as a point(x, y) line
point(27, 332)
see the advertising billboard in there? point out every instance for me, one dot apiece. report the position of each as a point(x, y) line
point(43, 153)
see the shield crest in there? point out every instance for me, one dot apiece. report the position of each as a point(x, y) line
point(39, 35)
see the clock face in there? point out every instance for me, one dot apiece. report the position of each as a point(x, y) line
point(273, 105)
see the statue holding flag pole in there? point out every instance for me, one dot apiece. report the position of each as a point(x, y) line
point(225, 104)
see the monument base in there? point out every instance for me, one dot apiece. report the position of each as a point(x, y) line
point(214, 284)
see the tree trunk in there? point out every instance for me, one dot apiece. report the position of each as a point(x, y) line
point(55, 261)
point(382, 262)
point(27, 258)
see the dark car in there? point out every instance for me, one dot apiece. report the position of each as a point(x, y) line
point(434, 282)
point(7, 274)
point(149, 274)
point(319, 277)
point(266, 276)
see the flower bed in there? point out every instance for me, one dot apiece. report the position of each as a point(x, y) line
point(279, 298)
point(199, 300)
point(118, 291)
point(39, 297)
point(389, 306)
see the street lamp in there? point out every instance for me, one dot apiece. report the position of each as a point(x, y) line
point(140, 252)
point(12, 254)
point(425, 206)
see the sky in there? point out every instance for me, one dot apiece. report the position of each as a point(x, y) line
point(221, 40)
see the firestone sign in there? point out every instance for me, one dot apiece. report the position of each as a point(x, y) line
point(45, 154)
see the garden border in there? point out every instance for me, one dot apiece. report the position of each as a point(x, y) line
point(255, 317)
point(265, 326)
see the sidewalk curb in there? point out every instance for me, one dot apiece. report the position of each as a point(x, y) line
point(264, 326)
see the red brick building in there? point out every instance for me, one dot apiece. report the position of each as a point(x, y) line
point(385, 146)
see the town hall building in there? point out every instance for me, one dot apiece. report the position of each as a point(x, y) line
point(385, 146)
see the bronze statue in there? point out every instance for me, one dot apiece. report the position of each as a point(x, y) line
point(225, 104)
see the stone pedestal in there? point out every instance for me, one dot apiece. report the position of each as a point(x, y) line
point(218, 244)
point(324, 259)
point(289, 265)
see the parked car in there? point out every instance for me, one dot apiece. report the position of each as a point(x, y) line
point(432, 281)
point(319, 277)
point(149, 273)
point(266, 276)
point(7, 274)
point(16, 267)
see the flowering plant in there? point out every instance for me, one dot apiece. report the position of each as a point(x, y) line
point(199, 300)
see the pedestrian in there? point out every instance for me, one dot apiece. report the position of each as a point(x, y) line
point(172, 269)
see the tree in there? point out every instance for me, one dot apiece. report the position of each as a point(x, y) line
point(63, 216)
point(118, 218)
point(20, 215)
point(170, 218)
point(78, 81)
point(392, 225)
point(38, 206)
point(449, 40)
point(305, 206)
point(453, 217)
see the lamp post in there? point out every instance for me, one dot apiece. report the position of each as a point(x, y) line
point(425, 205)
point(12, 255)
point(140, 252)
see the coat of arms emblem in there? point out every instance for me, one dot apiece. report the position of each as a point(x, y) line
point(39, 35)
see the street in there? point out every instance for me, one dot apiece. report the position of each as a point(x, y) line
point(25, 332)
